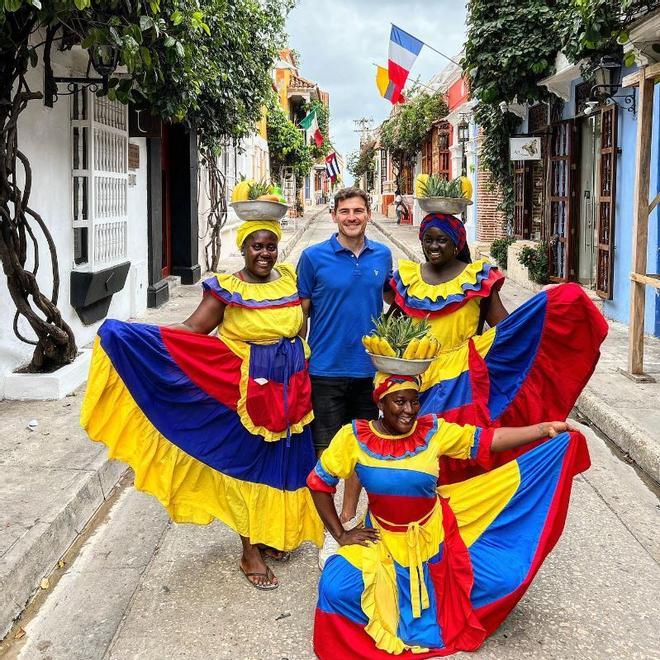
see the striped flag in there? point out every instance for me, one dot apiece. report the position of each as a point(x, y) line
point(404, 49)
point(332, 166)
point(386, 86)
point(311, 125)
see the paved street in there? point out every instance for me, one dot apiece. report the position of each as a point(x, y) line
point(142, 587)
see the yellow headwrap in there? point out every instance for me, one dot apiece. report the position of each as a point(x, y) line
point(250, 226)
point(385, 384)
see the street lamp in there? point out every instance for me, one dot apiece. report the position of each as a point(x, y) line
point(607, 78)
point(463, 135)
point(103, 58)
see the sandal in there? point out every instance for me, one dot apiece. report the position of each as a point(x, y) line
point(275, 555)
point(263, 587)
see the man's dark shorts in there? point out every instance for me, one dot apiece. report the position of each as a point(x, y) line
point(338, 401)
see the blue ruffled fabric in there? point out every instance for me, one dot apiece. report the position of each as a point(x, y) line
point(212, 286)
point(428, 305)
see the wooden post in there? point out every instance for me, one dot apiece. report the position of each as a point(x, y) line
point(640, 225)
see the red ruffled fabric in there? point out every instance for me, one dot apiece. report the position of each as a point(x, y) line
point(493, 282)
point(381, 447)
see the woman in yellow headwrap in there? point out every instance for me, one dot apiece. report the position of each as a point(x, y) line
point(218, 426)
point(434, 570)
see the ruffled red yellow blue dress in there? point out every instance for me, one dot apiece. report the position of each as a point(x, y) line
point(452, 561)
point(215, 426)
point(531, 367)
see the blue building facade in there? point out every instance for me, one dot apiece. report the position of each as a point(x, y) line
point(585, 169)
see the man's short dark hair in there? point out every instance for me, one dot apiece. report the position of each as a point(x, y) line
point(347, 193)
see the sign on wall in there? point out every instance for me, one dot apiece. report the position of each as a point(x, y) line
point(525, 148)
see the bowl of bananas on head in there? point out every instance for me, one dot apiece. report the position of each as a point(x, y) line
point(401, 345)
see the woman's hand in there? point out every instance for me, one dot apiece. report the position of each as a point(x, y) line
point(553, 429)
point(506, 438)
point(359, 536)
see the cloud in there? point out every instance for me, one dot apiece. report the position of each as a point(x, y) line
point(339, 41)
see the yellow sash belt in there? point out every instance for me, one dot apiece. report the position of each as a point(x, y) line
point(415, 533)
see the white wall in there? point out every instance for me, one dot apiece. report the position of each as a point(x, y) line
point(250, 159)
point(45, 137)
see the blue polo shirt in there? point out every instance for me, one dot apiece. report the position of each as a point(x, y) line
point(346, 292)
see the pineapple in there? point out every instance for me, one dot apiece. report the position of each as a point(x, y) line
point(258, 188)
point(436, 186)
point(398, 332)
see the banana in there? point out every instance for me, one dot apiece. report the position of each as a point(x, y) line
point(434, 348)
point(241, 191)
point(366, 342)
point(466, 187)
point(420, 184)
point(423, 348)
point(384, 348)
point(411, 350)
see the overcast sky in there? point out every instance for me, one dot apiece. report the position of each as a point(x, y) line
point(338, 40)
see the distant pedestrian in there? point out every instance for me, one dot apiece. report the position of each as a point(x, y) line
point(342, 283)
point(400, 207)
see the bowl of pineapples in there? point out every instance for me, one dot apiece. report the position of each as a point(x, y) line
point(258, 200)
point(401, 345)
point(438, 195)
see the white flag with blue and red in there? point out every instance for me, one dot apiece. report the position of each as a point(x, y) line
point(404, 49)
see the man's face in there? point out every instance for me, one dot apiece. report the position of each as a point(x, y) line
point(351, 216)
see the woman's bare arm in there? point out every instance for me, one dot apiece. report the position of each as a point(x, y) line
point(512, 437)
point(205, 318)
point(496, 311)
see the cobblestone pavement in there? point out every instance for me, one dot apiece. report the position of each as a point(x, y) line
point(141, 587)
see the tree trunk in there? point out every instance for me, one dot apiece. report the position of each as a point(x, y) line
point(54, 344)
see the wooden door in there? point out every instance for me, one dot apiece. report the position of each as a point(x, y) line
point(606, 202)
point(166, 192)
point(522, 199)
point(561, 186)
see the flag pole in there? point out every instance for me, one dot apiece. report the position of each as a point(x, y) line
point(431, 47)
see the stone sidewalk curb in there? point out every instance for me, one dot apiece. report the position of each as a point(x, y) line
point(402, 246)
point(38, 551)
point(631, 439)
point(295, 237)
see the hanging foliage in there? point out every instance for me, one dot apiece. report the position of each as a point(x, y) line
point(362, 163)
point(286, 145)
point(323, 118)
point(512, 44)
point(206, 63)
point(405, 130)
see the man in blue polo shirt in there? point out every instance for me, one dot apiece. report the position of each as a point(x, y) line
point(343, 282)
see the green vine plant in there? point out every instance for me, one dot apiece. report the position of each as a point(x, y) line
point(405, 130)
point(323, 118)
point(512, 44)
point(362, 163)
point(535, 259)
point(286, 144)
point(499, 250)
point(205, 63)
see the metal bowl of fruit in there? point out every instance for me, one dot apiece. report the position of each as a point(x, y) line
point(438, 195)
point(400, 366)
point(260, 209)
point(401, 345)
point(449, 205)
